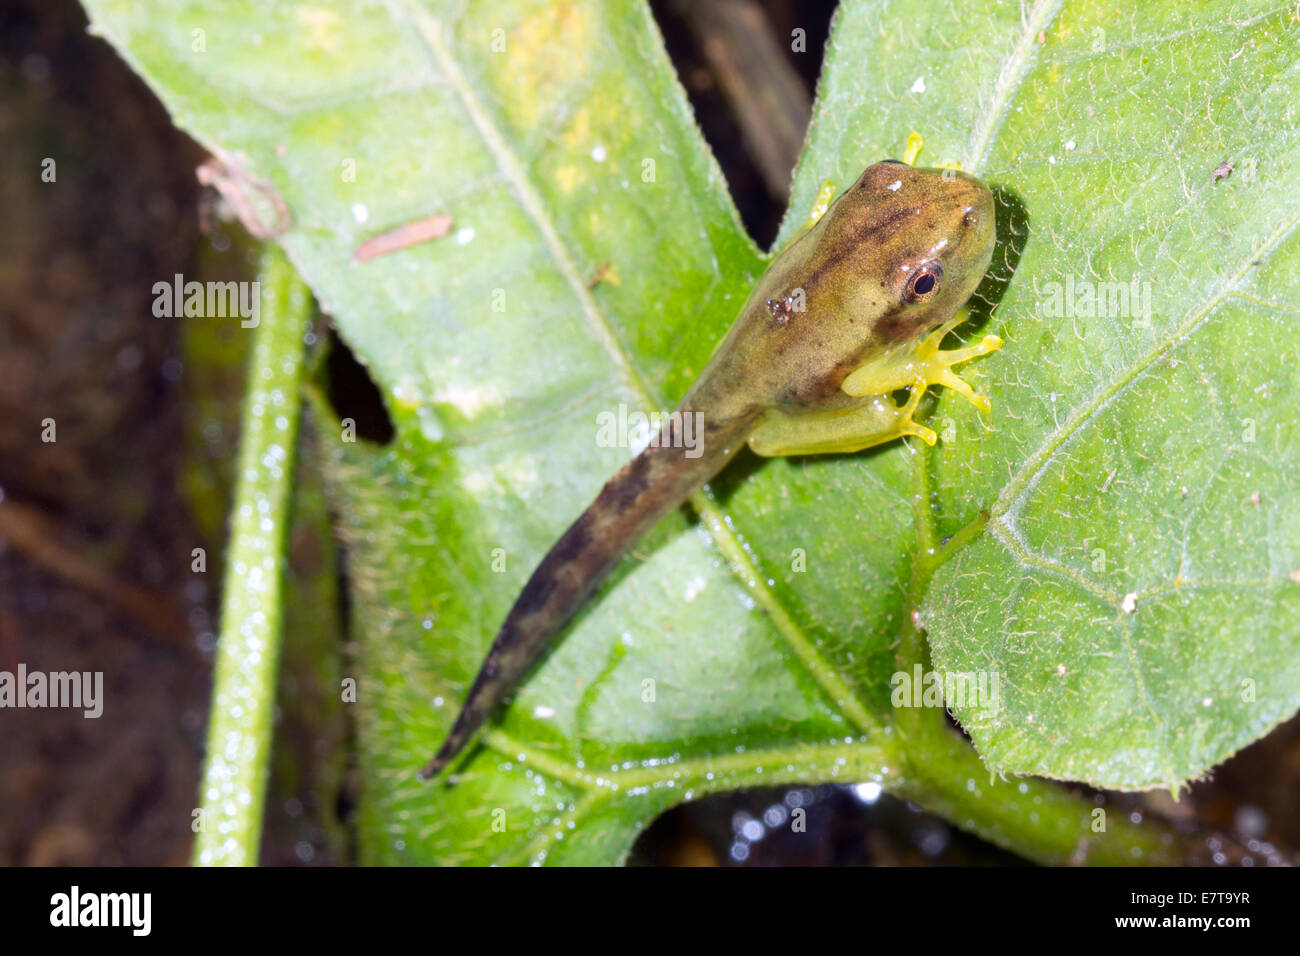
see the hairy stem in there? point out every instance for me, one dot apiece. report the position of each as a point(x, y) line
point(229, 822)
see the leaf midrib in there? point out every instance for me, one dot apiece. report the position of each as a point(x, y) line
point(1014, 70)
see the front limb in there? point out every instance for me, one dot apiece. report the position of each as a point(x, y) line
point(878, 419)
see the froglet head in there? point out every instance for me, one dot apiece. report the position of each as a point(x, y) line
point(922, 240)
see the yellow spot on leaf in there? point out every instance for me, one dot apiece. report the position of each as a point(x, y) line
point(566, 177)
point(549, 62)
point(322, 28)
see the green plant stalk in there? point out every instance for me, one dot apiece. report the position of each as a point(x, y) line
point(231, 797)
point(1034, 818)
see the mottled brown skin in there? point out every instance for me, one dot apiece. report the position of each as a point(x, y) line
point(857, 268)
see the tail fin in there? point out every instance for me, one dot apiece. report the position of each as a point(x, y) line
point(648, 487)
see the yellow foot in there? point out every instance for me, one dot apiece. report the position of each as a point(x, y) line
point(935, 364)
point(922, 366)
point(915, 143)
point(819, 207)
point(905, 425)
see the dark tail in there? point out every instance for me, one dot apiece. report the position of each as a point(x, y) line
point(648, 487)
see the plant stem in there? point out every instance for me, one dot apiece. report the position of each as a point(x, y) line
point(243, 695)
point(1035, 818)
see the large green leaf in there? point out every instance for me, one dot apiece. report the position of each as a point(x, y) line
point(558, 140)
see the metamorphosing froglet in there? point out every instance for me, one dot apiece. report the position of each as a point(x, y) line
point(849, 312)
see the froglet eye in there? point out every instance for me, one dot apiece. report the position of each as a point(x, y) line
point(923, 283)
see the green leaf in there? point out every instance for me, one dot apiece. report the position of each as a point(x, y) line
point(557, 139)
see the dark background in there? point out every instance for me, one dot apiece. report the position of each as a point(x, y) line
point(96, 529)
